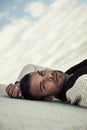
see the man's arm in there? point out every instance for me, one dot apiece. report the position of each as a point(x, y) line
point(77, 67)
point(28, 69)
point(13, 90)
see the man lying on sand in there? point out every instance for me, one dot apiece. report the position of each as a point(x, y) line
point(69, 86)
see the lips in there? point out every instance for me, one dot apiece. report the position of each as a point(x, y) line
point(55, 76)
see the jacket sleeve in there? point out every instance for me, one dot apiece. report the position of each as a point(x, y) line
point(78, 93)
point(28, 69)
point(77, 67)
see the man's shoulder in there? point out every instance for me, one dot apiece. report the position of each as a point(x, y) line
point(82, 78)
point(28, 69)
point(77, 67)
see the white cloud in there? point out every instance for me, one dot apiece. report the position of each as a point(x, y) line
point(58, 38)
point(36, 9)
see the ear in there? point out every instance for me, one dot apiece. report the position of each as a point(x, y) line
point(49, 98)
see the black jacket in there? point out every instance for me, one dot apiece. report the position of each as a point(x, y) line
point(77, 71)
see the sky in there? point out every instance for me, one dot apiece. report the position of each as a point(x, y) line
point(42, 32)
point(16, 9)
point(33, 9)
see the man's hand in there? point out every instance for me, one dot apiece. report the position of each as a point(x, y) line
point(14, 91)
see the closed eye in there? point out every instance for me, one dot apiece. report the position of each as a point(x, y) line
point(42, 86)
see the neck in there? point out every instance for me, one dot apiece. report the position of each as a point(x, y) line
point(65, 81)
point(64, 86)
point(67, 77)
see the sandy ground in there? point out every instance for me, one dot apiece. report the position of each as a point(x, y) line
point(22, 114)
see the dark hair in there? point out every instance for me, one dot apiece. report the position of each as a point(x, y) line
point(25, 88)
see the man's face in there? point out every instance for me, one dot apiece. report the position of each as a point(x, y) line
point(46, 83)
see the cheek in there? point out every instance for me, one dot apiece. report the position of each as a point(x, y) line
point(51, 87)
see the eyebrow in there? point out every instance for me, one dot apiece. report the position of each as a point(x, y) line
point(38, 72)
point(40, 86)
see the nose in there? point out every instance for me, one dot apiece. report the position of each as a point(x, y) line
point(48, 76)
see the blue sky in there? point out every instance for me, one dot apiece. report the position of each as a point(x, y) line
point(15, 9)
